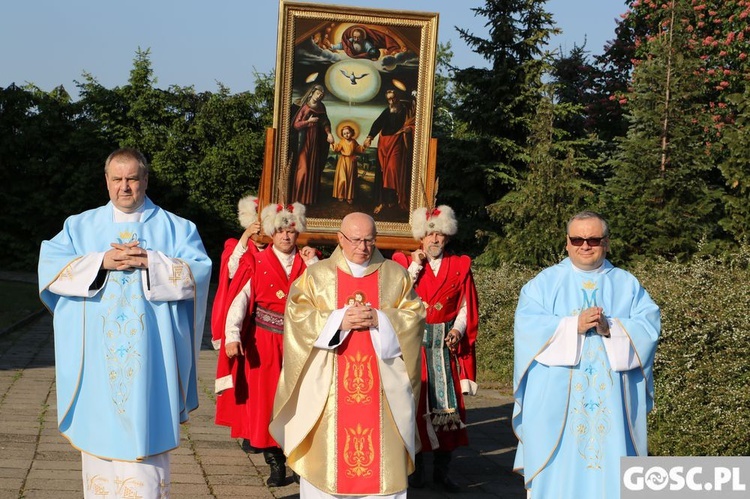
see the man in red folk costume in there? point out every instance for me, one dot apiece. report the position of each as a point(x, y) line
point(250, 241)
point(446, 285)
point(251, 353)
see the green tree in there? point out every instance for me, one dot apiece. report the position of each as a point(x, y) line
point(49, 155)
point(534, 214)
point(494, 105)
point(214, 155)
point(736, 171)
point(497, 102)
point(663, 198)
point(460, 181)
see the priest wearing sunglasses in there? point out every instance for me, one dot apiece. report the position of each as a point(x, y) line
point(585, 335)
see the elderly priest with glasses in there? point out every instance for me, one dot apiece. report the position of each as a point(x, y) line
point(585, 336)
point(345, 405)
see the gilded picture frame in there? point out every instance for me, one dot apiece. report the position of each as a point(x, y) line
point(353, 118)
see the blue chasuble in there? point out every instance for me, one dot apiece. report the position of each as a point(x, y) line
point(575, 422)
point(126, 372)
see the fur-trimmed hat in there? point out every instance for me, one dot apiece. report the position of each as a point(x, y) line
point(278, 216)
point(441, 219)
point(247, 211)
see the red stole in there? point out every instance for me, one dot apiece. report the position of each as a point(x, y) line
point(359, 395)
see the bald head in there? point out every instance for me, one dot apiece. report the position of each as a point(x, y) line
point(357, 237)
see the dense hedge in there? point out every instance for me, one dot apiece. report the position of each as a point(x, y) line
point(702, 367)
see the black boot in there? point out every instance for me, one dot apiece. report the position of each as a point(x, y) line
point(441, 464)
point(276, 459)
point(247, 447)
point(416, 479)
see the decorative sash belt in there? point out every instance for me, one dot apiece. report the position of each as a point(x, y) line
point(441, 393)
point(270, 320)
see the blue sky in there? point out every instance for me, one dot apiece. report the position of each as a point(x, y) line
point(200, 42)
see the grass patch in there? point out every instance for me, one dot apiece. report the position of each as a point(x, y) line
point(17, 301)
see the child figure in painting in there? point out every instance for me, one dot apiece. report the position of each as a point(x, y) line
point(346, 167)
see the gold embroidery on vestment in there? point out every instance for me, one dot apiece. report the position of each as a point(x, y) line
point(126, 235)
point(123, 331)
point(98, 485)
point(66, 274)
point(589, 285)
point(128, 487)
point(178, 273)
point(358, 379)
point(359, 452)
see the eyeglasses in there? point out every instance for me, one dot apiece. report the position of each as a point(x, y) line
point(591, 241)
point(356, 242)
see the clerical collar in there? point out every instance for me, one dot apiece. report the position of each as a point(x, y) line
point(597, 270)
point(357, 269)
point(133, 216)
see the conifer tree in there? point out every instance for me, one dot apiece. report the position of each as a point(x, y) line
point(736, 171)
point(663, 198)
point(534, 214)
point(497, 102)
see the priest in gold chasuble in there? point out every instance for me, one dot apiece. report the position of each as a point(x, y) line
point(345, 405)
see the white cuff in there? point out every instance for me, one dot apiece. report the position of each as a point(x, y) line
point(565, 346)
point(329, 330)
point(78, 276)
point(619, 349)
point(169, 279)
point(469, 387)
point(224, 383)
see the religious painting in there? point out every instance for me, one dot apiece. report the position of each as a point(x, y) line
point(352, 117)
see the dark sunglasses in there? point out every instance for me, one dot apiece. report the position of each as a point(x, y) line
point(591, 241)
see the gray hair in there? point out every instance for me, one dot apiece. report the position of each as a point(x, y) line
point(129, 153)
point(586, 215)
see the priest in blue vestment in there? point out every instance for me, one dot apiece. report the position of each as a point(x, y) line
point(585, 335)
point(127, 284)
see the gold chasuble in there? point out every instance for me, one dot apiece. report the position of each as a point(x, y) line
point(345, 416)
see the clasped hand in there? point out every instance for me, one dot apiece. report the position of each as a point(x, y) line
point(125, 256)
point(359, 316)
point(593, 317)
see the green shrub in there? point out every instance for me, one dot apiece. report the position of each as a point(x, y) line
point(701, 371)
point(702, 366)
point(498, 290)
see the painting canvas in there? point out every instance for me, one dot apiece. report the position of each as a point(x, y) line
point(352, 120)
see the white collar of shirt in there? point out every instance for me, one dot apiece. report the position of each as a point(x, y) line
point(286, 260)
point(135, 216)
point(435, 263)
point(358, 270)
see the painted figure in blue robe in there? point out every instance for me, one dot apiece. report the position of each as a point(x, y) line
point(127, 284)
point(585, 335)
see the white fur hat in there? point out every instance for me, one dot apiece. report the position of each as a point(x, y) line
point(441, 219)
point(278, 216)
point(247, 211)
